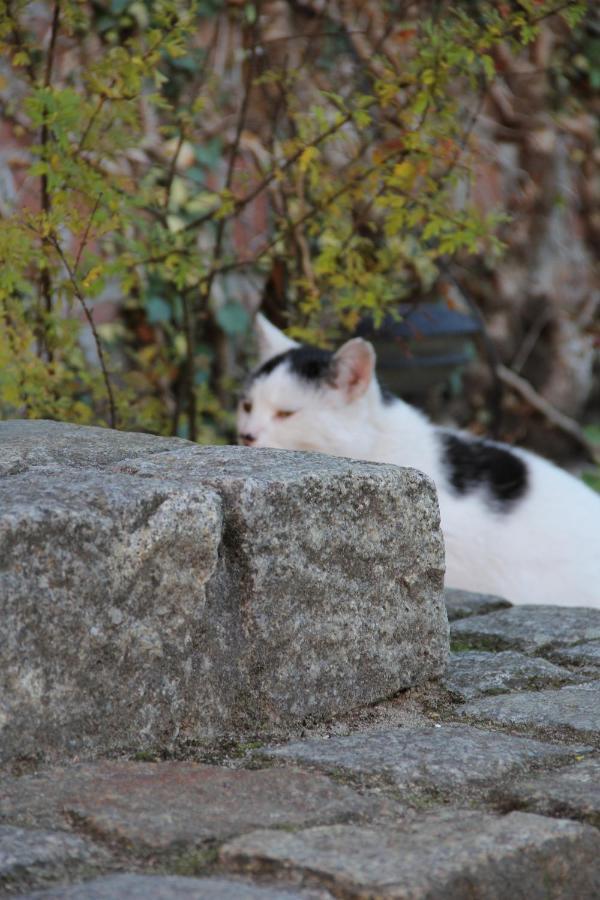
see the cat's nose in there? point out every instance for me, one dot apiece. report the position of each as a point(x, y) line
point(247, 439)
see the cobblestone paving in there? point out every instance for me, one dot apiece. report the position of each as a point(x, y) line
point(486, 784)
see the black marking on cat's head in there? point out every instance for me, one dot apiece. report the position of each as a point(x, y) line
point(472, 463)
point(309, 363)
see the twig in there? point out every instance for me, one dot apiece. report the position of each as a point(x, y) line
point(46, 201)
point(553, 415)
point(86, 233)
point(92, 324)
point(208, 283)
point(173, 167)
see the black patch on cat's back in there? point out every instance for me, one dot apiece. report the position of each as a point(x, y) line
point(473, 463)
point(309, 363)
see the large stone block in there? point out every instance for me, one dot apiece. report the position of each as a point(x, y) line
point(448, 855)
point(180, 592)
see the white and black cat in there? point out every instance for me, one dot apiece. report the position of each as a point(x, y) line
point(514, 524)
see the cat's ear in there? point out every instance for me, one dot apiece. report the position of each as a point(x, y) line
point(353, 367)
point(271, 341)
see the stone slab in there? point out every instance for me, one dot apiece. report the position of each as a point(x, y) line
point(353, 610)
point(28, 443)
point(103, 589)
point(445, 759)
point(461, 604)
point(169, 806)
point(169, 887)
point(574, 709)
point(202, 592)
point(32, 855)
point(532, 629)
point(586, 654)
point(446, 856)
point(572, 792)
point(475, 673)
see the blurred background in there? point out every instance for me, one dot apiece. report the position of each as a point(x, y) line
point(424, 174)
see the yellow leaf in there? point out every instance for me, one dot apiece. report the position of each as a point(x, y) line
point(404, 170)
point(306, 157)
point(21, 58)
point(92, 276)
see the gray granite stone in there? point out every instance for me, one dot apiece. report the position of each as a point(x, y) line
point(186, 594)
point(444, 759)
point(461, 604)
point(169, 887)
point(28, 856)
point(28, 443)
point(169, 806)
point(527, 628)
point(574, 709)
point(103, 590)
point(586, 654)
point(443, 856)
point(572, 792)
point(474, 673)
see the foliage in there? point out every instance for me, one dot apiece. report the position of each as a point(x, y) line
point(367, 184)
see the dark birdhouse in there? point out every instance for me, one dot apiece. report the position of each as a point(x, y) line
point(423, 348)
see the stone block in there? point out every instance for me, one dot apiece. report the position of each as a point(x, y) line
point(30, 856)
point(166, 595)
point(586, 654)
point(475, 673)
point(28, 443)
point(532, 629)
point(103, 589)
point(442, 856)
point(171, 806)
point(462, 604)
point(442, 759)
point(573, 710)
point(571, 792)
point(169, 887)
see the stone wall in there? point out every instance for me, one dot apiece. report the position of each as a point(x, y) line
point(154, 592)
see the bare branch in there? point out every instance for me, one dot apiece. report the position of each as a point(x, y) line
point(92, 324)
point(557, 418)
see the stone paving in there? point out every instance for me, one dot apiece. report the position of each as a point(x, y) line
point(485, 784)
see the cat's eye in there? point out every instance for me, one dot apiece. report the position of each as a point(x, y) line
point(284, 413)
point(247, 406)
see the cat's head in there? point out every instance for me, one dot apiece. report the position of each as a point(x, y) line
point(303, 398)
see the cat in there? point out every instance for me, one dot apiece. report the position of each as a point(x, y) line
point(514, 524)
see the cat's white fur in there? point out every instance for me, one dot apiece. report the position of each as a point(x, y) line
point(544, 548)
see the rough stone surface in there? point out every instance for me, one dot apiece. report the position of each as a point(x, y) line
point(103, 589)
point(169, 805)
point(572, 792)
point(439, 857)
point(340, 565)
point(153, 597)
point(169, 887)
point(475, 673)
point(528, 628)
point(586, 654)
point(461, 604)
point(442, 759)
point(27, 856)
point(24, 444)
point(575, 708)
